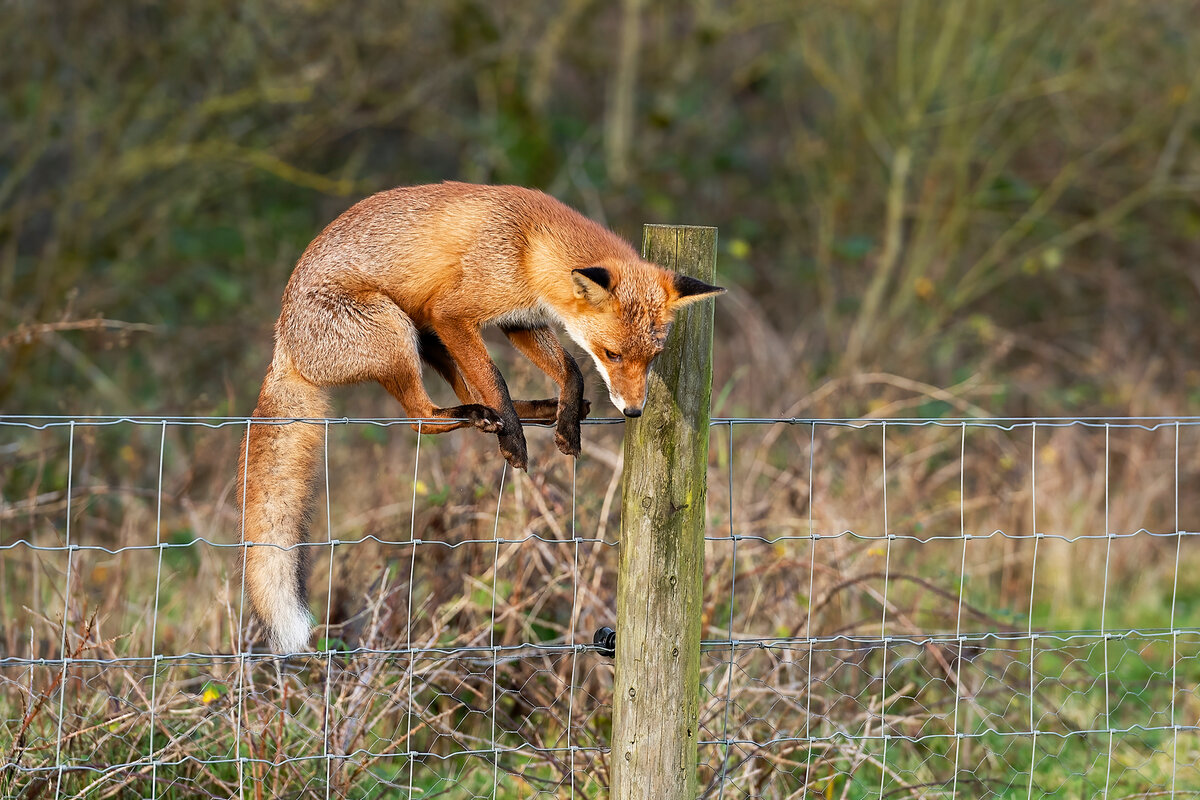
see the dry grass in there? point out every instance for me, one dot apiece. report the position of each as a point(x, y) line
point(412, 630)
point(926, 209)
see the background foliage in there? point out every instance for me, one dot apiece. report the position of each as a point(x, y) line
point(994, 197)
point(926, 208)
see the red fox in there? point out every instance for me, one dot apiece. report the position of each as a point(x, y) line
point(414, 274)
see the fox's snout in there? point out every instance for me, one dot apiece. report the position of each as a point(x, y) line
point(627, 384)
point(631, 407)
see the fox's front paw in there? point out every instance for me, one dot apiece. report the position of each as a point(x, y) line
point(566, 436)
point(483, 418)
point(512, 447)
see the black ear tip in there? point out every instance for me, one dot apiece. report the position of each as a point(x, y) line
point(597, 275)
point(687, 286)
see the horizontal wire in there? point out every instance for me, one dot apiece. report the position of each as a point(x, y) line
point(297, 545)
point(932, 737)
point(516, 652)
point(526, 747)
point(361, 752)
point(1148, 423)
point(740, 537)
point(958, 537)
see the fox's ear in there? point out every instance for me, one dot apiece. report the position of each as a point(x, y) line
point(592, 284)
point(690, 290)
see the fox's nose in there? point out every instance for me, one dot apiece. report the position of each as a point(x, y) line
point(633, 412)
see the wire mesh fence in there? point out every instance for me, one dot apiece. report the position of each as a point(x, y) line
point(919, 607)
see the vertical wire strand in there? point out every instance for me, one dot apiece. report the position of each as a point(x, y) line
point(962, 588)
point(732, 599)
point(812, 579)
point(492, 631)
point(1037, 537)
point(328, 609)
point(162, 446)
point(62, 678)
point(574, 617)
point(883, 638)
point(408, 643)
point(1108, 540)
point(1174, 632)
point(240, 708)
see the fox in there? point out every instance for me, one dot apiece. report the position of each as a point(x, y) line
point(414, 275)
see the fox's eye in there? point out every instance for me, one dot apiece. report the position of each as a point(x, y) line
point(611, 356)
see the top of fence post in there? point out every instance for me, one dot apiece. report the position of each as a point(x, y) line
point(659, 592)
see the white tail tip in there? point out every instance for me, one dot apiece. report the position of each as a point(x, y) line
point(290, 630)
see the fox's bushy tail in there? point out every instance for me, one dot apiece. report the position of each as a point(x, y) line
point(275, 486)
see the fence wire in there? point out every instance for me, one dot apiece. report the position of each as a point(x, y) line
point(917, 607)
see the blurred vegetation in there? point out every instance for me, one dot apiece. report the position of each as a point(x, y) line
point(925, 208)
point(994, 196)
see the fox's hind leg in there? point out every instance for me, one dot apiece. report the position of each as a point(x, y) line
point(405, 385)
point(467, 350)
point(542, 347)
point(435, 354)
point(339, 336)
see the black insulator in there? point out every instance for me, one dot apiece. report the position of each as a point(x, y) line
point(606, 641)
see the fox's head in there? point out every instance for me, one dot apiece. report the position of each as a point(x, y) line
point(624, 313)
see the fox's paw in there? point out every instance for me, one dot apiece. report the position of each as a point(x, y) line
point(567, 439)
point(566, 434)
point(483, 418)
point(512, 447)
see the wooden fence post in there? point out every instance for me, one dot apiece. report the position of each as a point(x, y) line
point(659, 587)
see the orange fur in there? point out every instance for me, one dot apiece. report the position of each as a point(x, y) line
point(414, 274)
